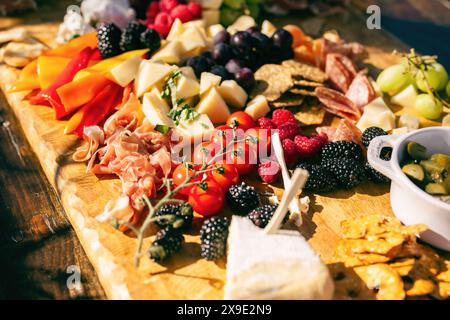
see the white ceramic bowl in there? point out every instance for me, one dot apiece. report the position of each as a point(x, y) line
point(411, 204)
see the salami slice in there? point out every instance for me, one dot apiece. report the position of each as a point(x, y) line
point(346, 130)
point(340, 70)
point(361, 91)
point(337, 103)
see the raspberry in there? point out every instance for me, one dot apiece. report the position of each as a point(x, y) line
point(290, 150)
point(163, 22)
point(281, 116)
point(152, 10)
point(195, 9)
point(308, 147)
point(181, 12)
point(288, 130)
point(266, 123)
point(167, 5)
point(269, 171)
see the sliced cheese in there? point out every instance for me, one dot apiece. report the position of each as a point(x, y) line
point(149, 74)
point(187, 87)
point(232, 93)
point(170, 53)
point(176, 30)
point(214, 29)
point(214, 106)
point(405, 98)
point(257, 107)
point(208, 80)
point(241, 24)
point(154, 111)
point(211, 16)
point(192, 39)
point(377, 114)
point(125, 72)
point(198, 129)
point(268, 28)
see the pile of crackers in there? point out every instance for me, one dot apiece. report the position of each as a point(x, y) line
point(380, 258)
point(291, 84)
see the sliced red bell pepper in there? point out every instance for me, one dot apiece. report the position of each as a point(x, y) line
point(49, 96)
point(96, 110)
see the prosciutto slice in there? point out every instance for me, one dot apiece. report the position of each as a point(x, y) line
point(340, 70)
point(94, 137)
point(336, 103)
point(361, 91)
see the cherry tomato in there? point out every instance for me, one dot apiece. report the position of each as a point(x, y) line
point(180, 175)
point(204, 152)
point(243, 157)
point(222, 135)
point(224, 174)
point(207, 198)
point(258, 139)
point(240, 119)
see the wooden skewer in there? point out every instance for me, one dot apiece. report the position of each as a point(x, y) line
point(298, 180)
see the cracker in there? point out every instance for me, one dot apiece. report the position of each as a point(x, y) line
point(272, 80)
point(303, 92)
point(306, 83)
point(306, 71)
point(288, 100)
point(310, 115)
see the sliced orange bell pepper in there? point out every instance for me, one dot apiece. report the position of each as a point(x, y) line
point(28, 78)
point(73, 47)
point(76, 93)
point(49, 68)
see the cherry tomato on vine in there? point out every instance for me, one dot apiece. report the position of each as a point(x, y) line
point(242, 157)
point(204, 152)
point(222, 135)
point(224, 174)
point(181, 173)
point(240, 119)
point(206, 198)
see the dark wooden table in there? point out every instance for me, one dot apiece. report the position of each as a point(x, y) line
point(34, 257)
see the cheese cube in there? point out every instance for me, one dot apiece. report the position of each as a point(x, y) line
point(257, 107)
point(176, 30)
point(214, 106)
point(377, 114)
point(409, 121)
point(211, 4)
point(241, 24)
point(187, 87)
point(195, 23)
point(149, 74)
point(170, 53)
point(198, 129)
point(211, 17)
point(126, 71)
point(214, 29)
point(192, 39)
point(402, 130)
point(446, 121)
point(188, 72)
point(405, 98)
point(154, 111)
point(156, 94)
point(268, 28)
point(208, 80)
point(232, 93)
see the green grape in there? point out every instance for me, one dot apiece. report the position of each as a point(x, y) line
point(228, 16)
point(428, 106)
point(428, 78)
point(448, 89)
point(393, 79)
point(234, 4)
point(443, 75)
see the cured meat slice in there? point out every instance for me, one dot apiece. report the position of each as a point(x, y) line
point(361, 91)
point(340, 70)
point(326, 130)
point(337, 103)
point(346, 130)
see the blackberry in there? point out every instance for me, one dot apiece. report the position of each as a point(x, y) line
point(242, 198)
point(213, 236)
point(370, 133)
point(131, 36)
point(342, 149)
point(151, 39)
point(168, 241)
point(178, 216)
point(262, 215)
point(348, 172)
point(320, 180)
point(108, 39)
point(375, 176)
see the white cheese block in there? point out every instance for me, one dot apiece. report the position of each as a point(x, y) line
point(187, 87)
point(198, 129)
point(160, 101)
point(176, 30)
point(232, 93)
point(257, 107)
point(195, 23)
point(211, 4)
point(241, 24)
point(268, 28)
point(208, 80)
point(446, 120)
point(276, 266)
point(214, 29)
point(409, 121)
point(126, 71)
point(377, 114)
point(155, 111)
point(405, 98)
point(192, 39)
point(149, 74)
point(170, 53)
point(188, 72)
point(214, 106)
point(211, 16)
point(402, 130)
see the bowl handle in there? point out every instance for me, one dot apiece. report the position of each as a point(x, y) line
point(373, 152)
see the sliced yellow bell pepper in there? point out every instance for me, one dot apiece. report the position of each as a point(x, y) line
point(76, 93)
point(49, 68)
point(106, 65)
point(73, 47)
point(28, 78)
